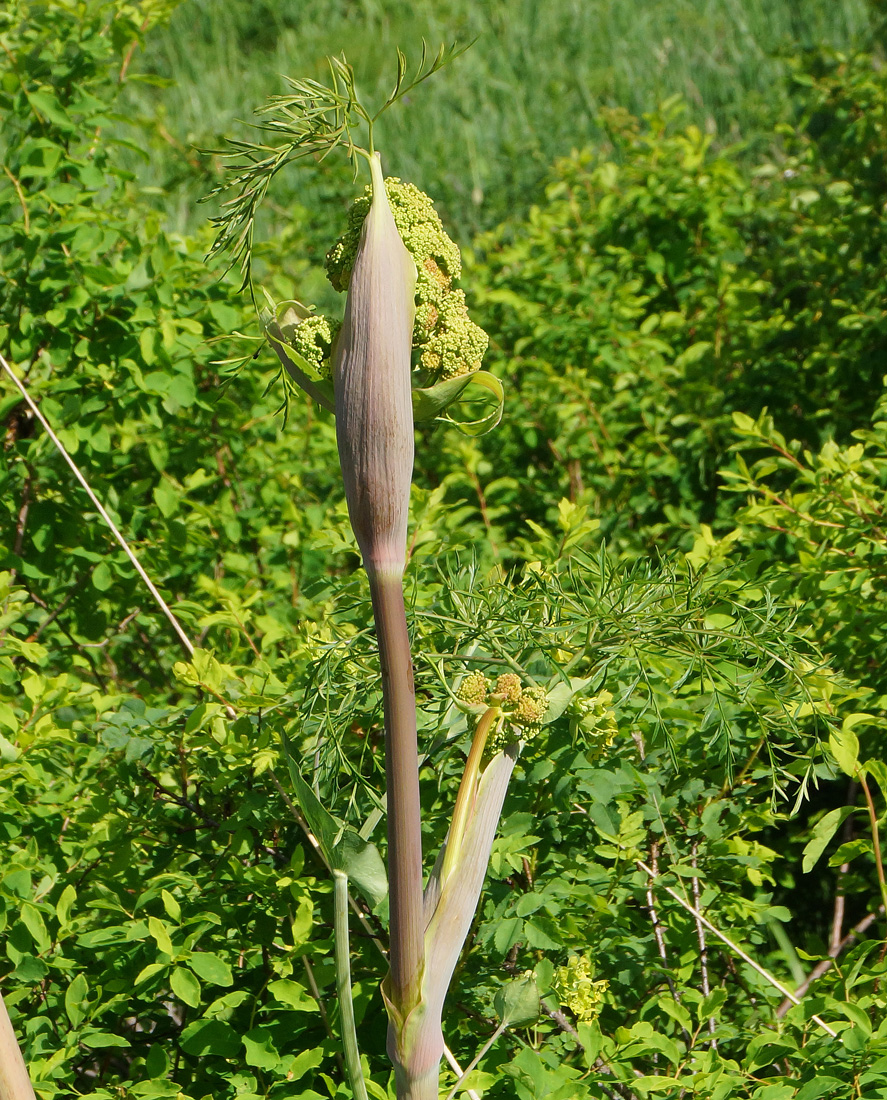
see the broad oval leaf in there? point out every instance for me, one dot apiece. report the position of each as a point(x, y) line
point(185, 986)
point(823, 831)
point(211, 968)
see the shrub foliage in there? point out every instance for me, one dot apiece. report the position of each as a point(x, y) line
point(678, 530)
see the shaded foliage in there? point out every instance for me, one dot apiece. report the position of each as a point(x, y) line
point(661, 285)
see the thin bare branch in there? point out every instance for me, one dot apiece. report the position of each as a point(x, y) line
point(876, 838)
point(837, 929)
point(703, 947)
point(115, 531)
point(659, 933)
point(746, 958)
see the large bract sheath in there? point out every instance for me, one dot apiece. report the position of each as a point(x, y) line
point(371, 374)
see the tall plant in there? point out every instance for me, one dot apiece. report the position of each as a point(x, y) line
point(398, 267)
point(406, 350)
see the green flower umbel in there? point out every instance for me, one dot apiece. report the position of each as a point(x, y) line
point(520, 709)
point(446, 342)
point(445, 347)
point(577, 990)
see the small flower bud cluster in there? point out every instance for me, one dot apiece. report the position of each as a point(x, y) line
point(577, 990)
point(522, 707)
point(595, 721)
point(312, 339)
point(530, 710)
point(508, 687)
point(473, 689)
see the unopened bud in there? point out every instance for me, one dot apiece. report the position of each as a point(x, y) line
point(508, 687)
point(371, 376)
point(473, 689)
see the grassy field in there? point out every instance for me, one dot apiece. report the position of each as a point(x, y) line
point(481, 134)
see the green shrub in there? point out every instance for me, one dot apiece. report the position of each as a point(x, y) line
point(164, 919)
point(662, 285)
point(115, 325)
point(817, 518)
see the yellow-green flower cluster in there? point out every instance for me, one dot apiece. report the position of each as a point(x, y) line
point(508, 687)
point(529, 710)
point(523, 708)
point(445, 339)
point(312, 338)
point(449, 342)
point(473, 689)
point(595, 720)
point(577, 990)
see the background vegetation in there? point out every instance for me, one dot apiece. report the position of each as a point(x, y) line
point(532, 92)
point(676, 236)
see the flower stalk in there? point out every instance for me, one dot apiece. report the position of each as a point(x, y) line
point(404, 814)
point(467, 793)
point(374, 431)
point(399, 267)
point(14, 1081)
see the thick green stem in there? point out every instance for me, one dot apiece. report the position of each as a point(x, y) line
point(14, 1081)
point(343, 985)
point(406, 923)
